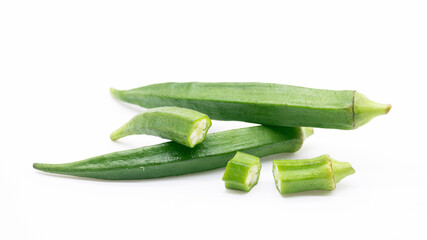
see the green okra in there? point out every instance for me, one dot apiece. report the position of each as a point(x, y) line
point(171, 159)
point(320, 173)
point(242, 172)
point(264, 103)
point(184, 126)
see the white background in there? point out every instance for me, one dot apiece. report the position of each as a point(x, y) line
point(59, 58)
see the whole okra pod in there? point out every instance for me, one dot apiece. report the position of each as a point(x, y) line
point(264, 103)
point(171, 158)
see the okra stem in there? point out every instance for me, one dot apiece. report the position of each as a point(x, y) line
point(341, 170)
point(365, 109)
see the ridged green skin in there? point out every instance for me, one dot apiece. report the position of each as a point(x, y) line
point(238, 175)
point(318, 173)
point(170, 158)
point(265, 103)
point(173, 123)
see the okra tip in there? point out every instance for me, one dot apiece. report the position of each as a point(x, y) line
point(119, 133)
point(61, 168)
point(115, 93)
point(40, 166)
point(35, 166)
point(366, 109)
point(387, 109)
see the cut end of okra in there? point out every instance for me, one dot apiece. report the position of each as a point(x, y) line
point(199, 131)
point(365, 109)
point(341, 170)
point(242, 172)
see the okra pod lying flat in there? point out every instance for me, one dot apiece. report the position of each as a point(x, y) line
point(242, 172)
point(265, 103)
point(320, 173)
point(184, 126)
point(170, 158)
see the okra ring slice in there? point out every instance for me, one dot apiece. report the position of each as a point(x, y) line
point(320, 173)
point(242, 172)
point(184, 126)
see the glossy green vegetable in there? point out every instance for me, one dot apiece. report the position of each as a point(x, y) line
point(170, 158)
point(242, 172)
point(320, 173)
point(181, 125)
point(265, 103)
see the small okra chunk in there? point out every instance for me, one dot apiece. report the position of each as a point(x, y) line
point(293, 176)
point(242, 172)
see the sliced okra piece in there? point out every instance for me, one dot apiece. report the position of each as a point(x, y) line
point(320, 173)
point(181, 125)
point(242, 172)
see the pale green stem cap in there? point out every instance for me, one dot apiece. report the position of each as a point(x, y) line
point(341, 170)
point(365, 109)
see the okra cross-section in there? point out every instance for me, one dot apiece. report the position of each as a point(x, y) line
point(320, 173)
point(184, 126)
point(242, 172)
